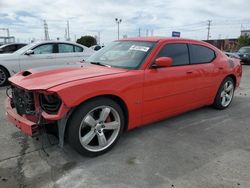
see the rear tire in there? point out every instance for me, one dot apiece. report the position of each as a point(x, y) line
point(225, 94)
point(95, 126)
point(4, 75)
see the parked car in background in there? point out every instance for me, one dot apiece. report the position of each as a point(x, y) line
point(10, 48)
point(244, 54)
point(96, 47)
point(232, 55)
point(41, 54)
point(130, 83)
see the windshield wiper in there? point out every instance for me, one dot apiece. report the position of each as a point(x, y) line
point(101, 64)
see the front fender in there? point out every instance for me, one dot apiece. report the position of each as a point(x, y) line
point(128, 88)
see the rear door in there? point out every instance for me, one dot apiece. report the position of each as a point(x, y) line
point(44, 55)
point(202, 61)
point(69, 53)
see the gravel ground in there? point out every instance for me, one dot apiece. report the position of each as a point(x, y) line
point(203, 148)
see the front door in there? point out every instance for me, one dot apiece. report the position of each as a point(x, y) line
point(43, 56)
point(169, 90)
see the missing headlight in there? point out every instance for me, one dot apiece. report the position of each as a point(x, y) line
point(50, 103)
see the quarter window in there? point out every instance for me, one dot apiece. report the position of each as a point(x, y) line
point(78, 49)
point(178, 52)
point(65, 48)
point(44, 49)
point(201, 54)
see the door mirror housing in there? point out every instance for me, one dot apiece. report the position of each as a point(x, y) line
point(1, 50)
point(163, 62)
point(29, 52)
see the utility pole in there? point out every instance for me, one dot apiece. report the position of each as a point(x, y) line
point(139, 32)
point(146, 32)
point(99, 37)
point(118, 21)
point(68, 30)
point(208, 29)
point(46, 31)
point(152, 32)
point(66, 34)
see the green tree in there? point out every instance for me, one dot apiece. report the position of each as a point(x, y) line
point(243, 40)
point(87, 41)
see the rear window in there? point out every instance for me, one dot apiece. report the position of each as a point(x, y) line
point(201, 54)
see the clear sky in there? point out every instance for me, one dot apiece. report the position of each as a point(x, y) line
point(25, 18)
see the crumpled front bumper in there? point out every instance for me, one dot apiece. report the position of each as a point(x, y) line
point(26, 126)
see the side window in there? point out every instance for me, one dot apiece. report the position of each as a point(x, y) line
point(20, 46)
point(44, 49)
point(65, 48)
point(78, 49)
point(10, 48)
point(178, 52)
point(201, 54)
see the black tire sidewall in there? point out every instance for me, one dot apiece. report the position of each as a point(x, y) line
point(6, 74)
point(217, 102)
point(75, 120)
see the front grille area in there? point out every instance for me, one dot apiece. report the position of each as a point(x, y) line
point(23, 101)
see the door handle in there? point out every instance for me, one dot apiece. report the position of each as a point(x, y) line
point(221, 68)
point(189, 72)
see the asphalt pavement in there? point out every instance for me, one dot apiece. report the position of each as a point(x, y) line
point(204, 148)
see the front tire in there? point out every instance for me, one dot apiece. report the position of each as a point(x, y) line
point(225, 94)
point(95, 126)
point(4, 75)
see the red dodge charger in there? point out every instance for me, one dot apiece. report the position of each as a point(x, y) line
point(127, 84)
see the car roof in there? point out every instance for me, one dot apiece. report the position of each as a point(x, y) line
point(56, 41)
point(157, 39)
point(169, 39)
point(16, 43)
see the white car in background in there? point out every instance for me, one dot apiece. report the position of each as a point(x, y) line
point(40, 54)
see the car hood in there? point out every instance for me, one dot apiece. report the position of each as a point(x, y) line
point(47, 77)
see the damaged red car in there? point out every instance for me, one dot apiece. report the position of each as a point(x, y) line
point(127, 84)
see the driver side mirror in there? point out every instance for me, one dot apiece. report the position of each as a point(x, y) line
point(29, 52)
point(163, 62)
point(1, 50)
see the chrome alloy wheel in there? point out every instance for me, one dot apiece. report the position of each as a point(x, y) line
point(227, 93)
point(3, 77)
point(99, 128)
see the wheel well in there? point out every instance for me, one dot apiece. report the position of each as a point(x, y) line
point(5, 69)
point(233, 77)
point(119, 101)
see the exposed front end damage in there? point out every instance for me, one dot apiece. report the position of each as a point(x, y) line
point(31, 110)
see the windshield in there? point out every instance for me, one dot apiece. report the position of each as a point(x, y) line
point(122, 54)
point(244, 50)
